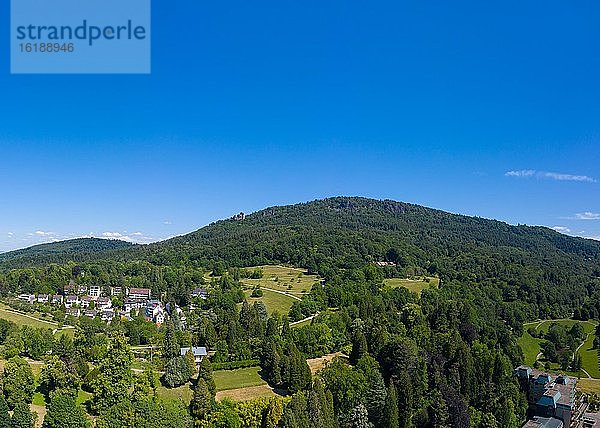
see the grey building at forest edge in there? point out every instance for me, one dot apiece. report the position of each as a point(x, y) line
point(550, 398)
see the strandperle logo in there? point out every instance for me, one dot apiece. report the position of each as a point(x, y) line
point(80, 36)
point(87, 32)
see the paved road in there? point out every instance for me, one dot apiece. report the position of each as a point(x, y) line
point(305, 319)
point(282, 292)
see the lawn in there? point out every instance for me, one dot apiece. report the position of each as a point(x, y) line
point(83, 396)
point(183, 393)
point(239, 378)
point(273, 301)
point(589, 357)
point(414, 285)
point(281, 278)
point(531, 346)
point(224, 379)
point(301, 323)
point(39, 399)
point(25, 319)
point(588, 385)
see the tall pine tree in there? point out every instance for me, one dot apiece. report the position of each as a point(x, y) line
point(390, 418)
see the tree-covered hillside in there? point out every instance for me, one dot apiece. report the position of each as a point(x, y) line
point(534, 270)
point(536, 265)
point(59, 252)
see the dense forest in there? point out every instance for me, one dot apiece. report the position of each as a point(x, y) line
point(440, 359)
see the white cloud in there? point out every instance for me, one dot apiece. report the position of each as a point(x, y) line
point(568, 177)
point(112, 235)
point(136, 237)
point(526, 173)
point(587, 216)
point(520, 173)
point(562, 229)
point(44, 234)
point(167, 222)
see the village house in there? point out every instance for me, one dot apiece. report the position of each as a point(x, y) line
point(43, 298)
point(75, 312)
point(71, 300)
point(198, 351)
point(132, 305)
point(140, 293)
point(90, 313)
point(85, 301)
point(154, 312)
point(539, 422)
point(103, 303)
point(94, 291)
point(57, 299)
point(107, 316)
point(29, 298)
point(69, 289)
point(82, 289)
point(115, 291)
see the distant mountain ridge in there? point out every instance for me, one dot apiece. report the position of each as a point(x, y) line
point(359, 229)
point(339, 231)
point(73, 249)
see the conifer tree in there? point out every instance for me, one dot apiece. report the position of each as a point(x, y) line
point(22, 417)
point(391, 407)
point(359, 347)
point(202, 401)
point(205, 372)
point(4, 416)
point(170, 345)
point(191, 361)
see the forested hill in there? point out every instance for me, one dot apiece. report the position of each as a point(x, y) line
point(59, 252)
point(347, 231)
point(533, 269)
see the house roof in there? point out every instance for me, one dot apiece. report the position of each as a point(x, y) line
point(196, 350)
point(139, 291)
point(539, 422)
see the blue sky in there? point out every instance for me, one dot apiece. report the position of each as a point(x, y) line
point(474, 108)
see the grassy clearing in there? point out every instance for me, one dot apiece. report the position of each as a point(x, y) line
point(183, 393)
point(242, 382)
point(273, 301)
point(589, 357)
point(248, 393)
point(414, 285)
point(240, 378)
point(83, 396)
point(531, 346)
point(302, 324)
point(281, 278)
point(39, 399)
point(317, 364)
point(21, 319)
point(588, 385)
point(543, 326)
